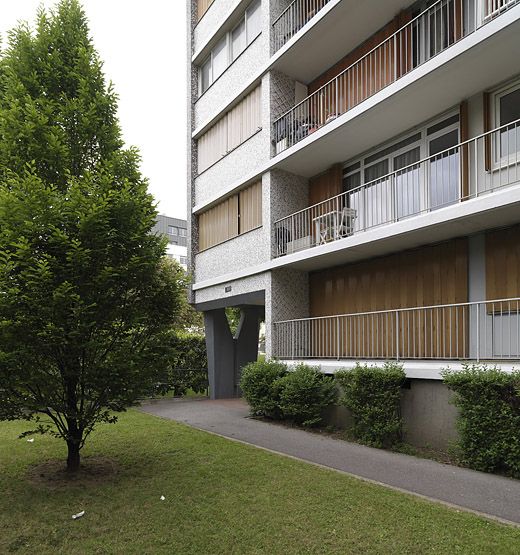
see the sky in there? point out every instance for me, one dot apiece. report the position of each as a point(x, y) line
point(143, 46)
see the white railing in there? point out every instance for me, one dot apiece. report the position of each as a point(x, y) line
point(293, 18)
point(487, 330)
point(467, 170)
point(431, 32)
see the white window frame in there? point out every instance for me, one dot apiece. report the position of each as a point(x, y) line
point(423, 143)
point(498, 160)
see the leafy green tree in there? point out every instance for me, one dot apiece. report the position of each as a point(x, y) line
point(86, 298)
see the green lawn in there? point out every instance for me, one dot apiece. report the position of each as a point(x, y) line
point(221, 497)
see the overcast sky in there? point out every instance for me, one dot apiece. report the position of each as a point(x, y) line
point(142, 43)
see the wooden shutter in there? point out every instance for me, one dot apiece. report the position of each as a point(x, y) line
point(218, 224)
point(503, 263)
point(240, 123)
point(464, 152)
point(487, 127)
point(250, 205)
point(202, 7)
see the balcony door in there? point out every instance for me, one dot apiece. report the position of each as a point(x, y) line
point(444, 168)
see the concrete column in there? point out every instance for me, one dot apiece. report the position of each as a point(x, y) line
point(246, 338)
point(220, 346)
point(227, 355)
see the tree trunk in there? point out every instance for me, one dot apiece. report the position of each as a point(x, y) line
point(73, 456)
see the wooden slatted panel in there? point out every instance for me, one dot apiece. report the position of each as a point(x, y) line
point(250, 204)
point(202, 7)
point(503, 263)
point(428, 276)
point(212, 146)
point(244, 119)
point(218, 224)
point(240, 123)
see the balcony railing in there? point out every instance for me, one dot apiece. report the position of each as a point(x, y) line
point(469, 169)
point(487, 330)
point(430, 33)
point(293, 18)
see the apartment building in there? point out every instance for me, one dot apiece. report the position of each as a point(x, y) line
point(176, 231)
point(354, 179)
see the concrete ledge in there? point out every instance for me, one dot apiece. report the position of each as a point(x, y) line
point(415, 369)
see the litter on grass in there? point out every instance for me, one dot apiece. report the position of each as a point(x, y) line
point(30, 440)
point(78, 515)
point(163, 498)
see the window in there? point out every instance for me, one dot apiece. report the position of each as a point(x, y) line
point(507, 113)
point(238, 40)
point(234, 216)
point(390, 183)
point(172, 230)
point(253, 21)
point(182, 232)
point(231, 46)
point(184, 260)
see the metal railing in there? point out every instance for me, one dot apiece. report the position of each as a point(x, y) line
point(487, 330)
point(467, 170)
point(293, 18)
point(428, 34)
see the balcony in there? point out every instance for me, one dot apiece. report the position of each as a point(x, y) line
point(487, 330)
point(293, 18)
point(466, 170)
point(433, 31)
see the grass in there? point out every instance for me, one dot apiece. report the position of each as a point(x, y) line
point(221, 497)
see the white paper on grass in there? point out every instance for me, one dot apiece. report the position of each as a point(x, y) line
point(78, 515)
point(163, 498)
point(30, 440)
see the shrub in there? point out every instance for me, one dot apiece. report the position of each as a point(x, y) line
point(188, 367)
point(488, 400)
point(373, 394)
point(257, 384)
point(304, 393)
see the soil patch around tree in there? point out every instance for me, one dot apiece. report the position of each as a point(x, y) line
point(94, 470)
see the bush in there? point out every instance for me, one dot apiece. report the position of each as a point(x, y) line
point(488, 400)
point(373, 394)
point(257, 384)
point(188, 367)
point(304, 393)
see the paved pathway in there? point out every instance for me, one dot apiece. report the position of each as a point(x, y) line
point(492, 495)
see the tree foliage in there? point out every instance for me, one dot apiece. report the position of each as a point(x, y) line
point(86, 299)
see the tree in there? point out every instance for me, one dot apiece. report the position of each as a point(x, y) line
point(86, 298)
point(188, 319)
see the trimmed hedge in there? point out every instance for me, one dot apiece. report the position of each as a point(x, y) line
point(488, 400)
point(373, 394)
point(258, 386)
point(272, 390)
point(304, 394)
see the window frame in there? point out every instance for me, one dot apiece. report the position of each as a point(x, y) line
point(498, 160)
point(228, 36)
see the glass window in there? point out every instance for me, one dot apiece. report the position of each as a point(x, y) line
point(182, 232)
point(238, 40)
point(205, 75)
point(408, 182)
point(172, 230)
point(509, 111)
point(444, 169)
point(376, 170)
point(184, 260)
point(254, 21)
point(220, 58)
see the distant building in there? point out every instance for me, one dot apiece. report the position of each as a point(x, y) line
point(176, 232)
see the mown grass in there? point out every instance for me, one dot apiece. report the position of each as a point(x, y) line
point(221, 497)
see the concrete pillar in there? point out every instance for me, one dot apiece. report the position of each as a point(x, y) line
point(246, 338)
point(221, 354)
point(227, 355)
